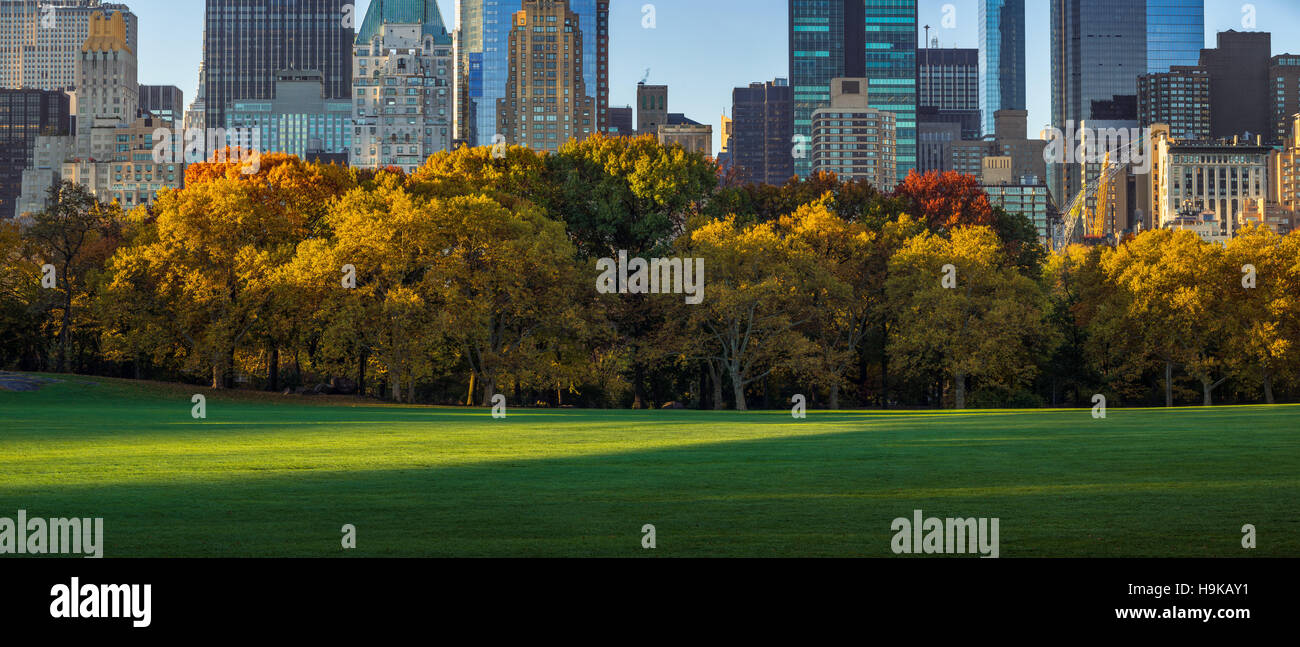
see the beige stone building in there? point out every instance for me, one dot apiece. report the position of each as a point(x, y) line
point(853, 140)
point(546, 101)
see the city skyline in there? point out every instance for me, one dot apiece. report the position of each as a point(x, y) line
point(686, 33)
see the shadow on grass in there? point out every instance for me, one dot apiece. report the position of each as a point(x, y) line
point(1057, 492)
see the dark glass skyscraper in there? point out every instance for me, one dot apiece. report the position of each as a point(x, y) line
point(1175, 33)
point(1001, 58)
point(872, 39)
point(1100, 47)
point(760, 127)
point(247, 41)
point(482, 61)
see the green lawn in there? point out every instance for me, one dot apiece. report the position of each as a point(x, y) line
point(268, 475)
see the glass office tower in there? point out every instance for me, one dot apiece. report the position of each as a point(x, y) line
point(1175, 33)
point(246, 42)
point(483, 64)
point(872, 39)
point(1099, 47)
point(1001, 58)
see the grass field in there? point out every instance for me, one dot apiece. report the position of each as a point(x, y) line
point(268, 475)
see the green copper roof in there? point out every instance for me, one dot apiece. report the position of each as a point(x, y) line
point(408, 12)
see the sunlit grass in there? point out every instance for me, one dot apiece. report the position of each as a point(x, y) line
point(269, 475)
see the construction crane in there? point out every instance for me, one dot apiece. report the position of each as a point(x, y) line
point(1077, 216)
point(1100, 213)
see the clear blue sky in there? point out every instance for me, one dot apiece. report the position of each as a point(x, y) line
point(703, 48)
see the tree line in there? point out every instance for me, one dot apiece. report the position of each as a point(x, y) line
point(477, 275)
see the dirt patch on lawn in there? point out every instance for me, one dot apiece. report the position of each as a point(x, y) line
point(23, 381)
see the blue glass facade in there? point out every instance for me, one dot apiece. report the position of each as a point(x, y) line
point(485, 39)
point(1175, 33)
point(873, 39)
point(1002, 58)
point(891, 69)
point(1099, 47)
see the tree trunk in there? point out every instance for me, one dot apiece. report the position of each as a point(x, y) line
point(1206, 388)
point(1169, 384)
point(64, 335)
point(835, 396)
point(738, 385)
point(361, 374)
point(230, 368)
point(410, 388)
point(216, 371)
point(1268, 387)
point(638, 389)
point(715, 375)
point(469, 397)
point(959, 389)
point(397, 385)
point(884, 366)
point(489, 390)
point(273, 371)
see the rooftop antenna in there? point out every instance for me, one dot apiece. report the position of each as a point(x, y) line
point(928, 72)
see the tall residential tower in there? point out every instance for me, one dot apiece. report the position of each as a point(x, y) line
point(871, 39)
point(40, 40)
point(403, 108)
point(482, 62)
point(1002, 58)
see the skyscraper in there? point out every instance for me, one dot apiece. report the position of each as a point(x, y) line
point(482, 64)
point(108, 93)
point(761, 126)
point(40, 40)
point(403, 108)
point(1099, 48)
point(1179, 98)
point(546, 102)
point(162, 101)
point(1175, 33)
point(870, 157)
point(1284, 81)
point(1240, 101)
point(246, 42)
point(872, 39)
point(1002, 58)
point(24, 115)
point(948, 83)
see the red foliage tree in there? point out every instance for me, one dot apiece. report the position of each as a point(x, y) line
point(946, 200)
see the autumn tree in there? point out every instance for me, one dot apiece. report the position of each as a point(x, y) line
point(23, 313)
point(842, 283)
point(756, 296)
point(1166, 296)
point(75, 233)
point(208, 265)
point(961, 307)
point(946, 200)
point(626, 194)
point(1264, 306)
